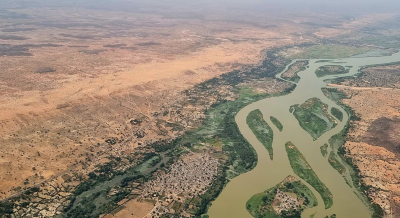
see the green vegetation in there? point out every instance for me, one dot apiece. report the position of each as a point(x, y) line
point(262, 130)
point(330, 70)
point(313, 117)
point(277, 123)
point(85, 205)
point(336, 141)
point(329, 52)
point(294, 77)
point(322, 61)
point(6, 208)
point(324, 150)
point(246, 92)
point(303, 170)
point(335, 163)
point(256, 203)
point(155, 161)
point(337, 113)
point(125, 181)
point(260, 205)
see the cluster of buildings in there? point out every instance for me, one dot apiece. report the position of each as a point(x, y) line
point(286, 202)
point(186, 179)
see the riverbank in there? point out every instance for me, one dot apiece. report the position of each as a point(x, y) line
point(269, 172)
point(338, 142)
point(372, 161)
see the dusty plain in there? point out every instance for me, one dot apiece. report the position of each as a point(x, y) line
point(373, 140)
point(79, 84)
point(79, 81)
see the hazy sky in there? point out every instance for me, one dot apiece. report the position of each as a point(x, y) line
point(348, 6)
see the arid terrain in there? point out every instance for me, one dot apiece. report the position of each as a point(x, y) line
point(373, 140)
point(81, 83)
point(73, 78)
point(387, 76)
point(72, 84)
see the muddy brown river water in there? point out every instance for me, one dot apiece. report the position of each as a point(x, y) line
point(346, 204)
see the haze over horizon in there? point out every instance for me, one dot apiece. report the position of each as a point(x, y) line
point(326, 5)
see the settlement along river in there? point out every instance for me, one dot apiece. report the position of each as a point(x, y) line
point(346, 204)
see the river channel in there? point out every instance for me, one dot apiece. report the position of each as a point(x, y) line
point(232, 201)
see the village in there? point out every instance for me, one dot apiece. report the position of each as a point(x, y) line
point(186, 179)
point(285, 202)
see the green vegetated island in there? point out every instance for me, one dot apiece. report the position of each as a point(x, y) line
point(313, 117)
point(331, 70)
point(277, 123)
point(301, 168)
point(336, 157)
point(287, 199)
point(335, 163)
point(291, 73)
point(337, 113)
point(261, 130)
point(324, 149)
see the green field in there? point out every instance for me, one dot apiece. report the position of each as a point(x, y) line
point(329, 52)
point(262, 130)
point(324, 150)
point(277, 123)
point(337, 113)
point(330, 70)
point(313, 117)
point(260, 205)
point(303, 170)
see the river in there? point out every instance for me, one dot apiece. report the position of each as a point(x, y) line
point(232, 201)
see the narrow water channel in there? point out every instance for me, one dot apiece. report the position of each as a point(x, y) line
point(232, 201)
